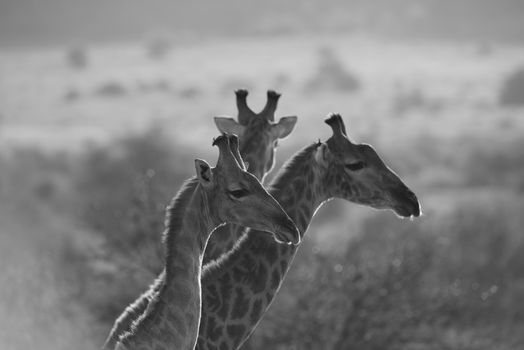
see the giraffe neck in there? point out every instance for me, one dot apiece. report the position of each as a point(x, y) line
point(173, 315)
point(238, 290)
point(301, 189)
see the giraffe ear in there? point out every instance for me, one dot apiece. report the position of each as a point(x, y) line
point(322, 155)
point(284, 126)
point(229, 126)
point(204, 173)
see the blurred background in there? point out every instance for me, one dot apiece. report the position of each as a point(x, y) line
point(105, 104)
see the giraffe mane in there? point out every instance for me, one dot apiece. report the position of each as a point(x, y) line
point(213, 265)
point(145, 316)
point(290, 169)
point(176, 211)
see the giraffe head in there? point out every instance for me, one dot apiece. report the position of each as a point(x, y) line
point(258, 133)
point(236, 196)
point(356, 173)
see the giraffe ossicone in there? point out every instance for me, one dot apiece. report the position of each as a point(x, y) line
point(258, 132)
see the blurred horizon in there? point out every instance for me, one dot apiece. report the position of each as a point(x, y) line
point(67, 22)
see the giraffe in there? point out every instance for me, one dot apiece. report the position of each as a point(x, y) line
point(258, 136)
point(226, 193)
point(238, 289)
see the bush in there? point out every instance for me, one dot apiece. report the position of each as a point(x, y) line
point(159, 85)
point(159, 47)
point(122, 198)
point(403, 285)
point(495, 164)
point(404, 101)
point(110, 89)
point(354, 301)
point(77, 58)
point(512, 92)
point(71, 95)
point(442, 282)
point(190, 92)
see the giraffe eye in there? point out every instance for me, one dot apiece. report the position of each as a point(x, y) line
point(237, 194)
point(355, 166)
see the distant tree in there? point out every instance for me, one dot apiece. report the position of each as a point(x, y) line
point(77, 58)
point(159, 47)
point(110, 89)
point(332, 75)
point(512, 92)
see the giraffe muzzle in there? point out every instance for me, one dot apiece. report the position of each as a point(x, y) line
point(408, 205)
point(287, 232)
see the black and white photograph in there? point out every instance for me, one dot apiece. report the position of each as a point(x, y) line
point(248, 175)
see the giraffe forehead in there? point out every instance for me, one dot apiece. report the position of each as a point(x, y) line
point(255, 139)
point(341, 146)
point(243, 179)
point(227, 175)
point(347, 152)
point(253, 134)
point(258, 125)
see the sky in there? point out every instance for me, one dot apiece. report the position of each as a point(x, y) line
point(69, 22)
